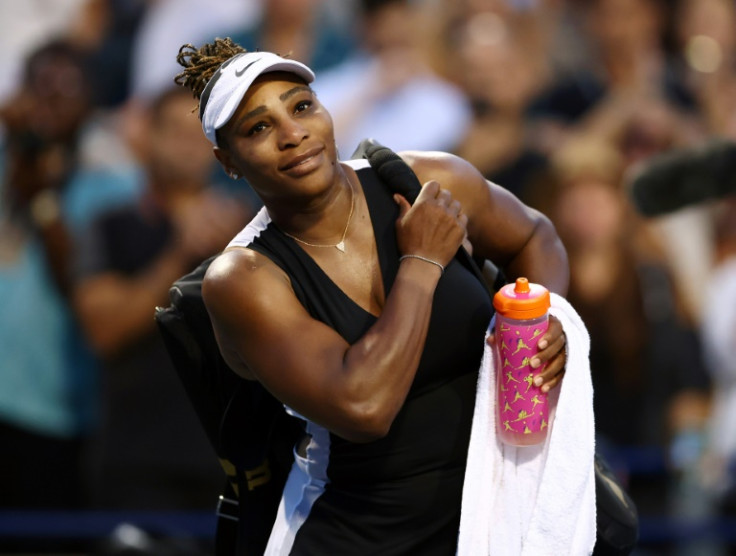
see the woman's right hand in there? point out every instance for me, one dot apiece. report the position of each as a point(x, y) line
point(434, 227)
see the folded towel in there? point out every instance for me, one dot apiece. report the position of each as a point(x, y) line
point(534, 500)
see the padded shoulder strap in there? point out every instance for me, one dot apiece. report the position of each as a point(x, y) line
point(391, 168)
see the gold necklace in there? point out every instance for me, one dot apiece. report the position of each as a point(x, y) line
point(340, 245)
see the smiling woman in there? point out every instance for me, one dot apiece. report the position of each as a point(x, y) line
point(348, 305)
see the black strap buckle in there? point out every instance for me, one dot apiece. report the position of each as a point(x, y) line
point(227, 508)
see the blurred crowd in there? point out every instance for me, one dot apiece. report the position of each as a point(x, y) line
point(109, 192)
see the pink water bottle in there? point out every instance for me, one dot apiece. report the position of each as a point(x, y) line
point(522, 416)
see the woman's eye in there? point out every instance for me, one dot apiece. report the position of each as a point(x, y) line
point(260, 126)
point(303, 105)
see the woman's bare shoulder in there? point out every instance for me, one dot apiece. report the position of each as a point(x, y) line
point(238, 270)
point(430, 160)
point(245, 294)
point(440, 166)
point(451, 171)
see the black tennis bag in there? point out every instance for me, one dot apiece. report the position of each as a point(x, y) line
point(253, 436)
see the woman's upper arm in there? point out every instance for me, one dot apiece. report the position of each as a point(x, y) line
point(501, 228)
point(259, 321)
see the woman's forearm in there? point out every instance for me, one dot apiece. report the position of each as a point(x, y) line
point(380, 368)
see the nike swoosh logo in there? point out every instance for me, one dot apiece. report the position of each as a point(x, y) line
point(240, 72)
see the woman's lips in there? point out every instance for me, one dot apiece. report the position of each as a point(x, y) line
point(304, 163)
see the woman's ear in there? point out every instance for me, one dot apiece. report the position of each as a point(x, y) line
point(223, 157)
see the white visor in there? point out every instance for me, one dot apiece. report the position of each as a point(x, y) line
point(227, 87)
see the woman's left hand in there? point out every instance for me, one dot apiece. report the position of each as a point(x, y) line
point(553, 351)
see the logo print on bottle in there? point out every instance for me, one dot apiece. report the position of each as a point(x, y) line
point(520, 397)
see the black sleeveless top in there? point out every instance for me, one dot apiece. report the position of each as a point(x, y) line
point(400, 494)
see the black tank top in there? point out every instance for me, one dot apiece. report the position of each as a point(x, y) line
point(400, 494)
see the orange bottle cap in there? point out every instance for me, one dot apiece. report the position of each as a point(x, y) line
point(522, 300)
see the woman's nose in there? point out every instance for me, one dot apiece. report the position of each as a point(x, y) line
point(292, 133)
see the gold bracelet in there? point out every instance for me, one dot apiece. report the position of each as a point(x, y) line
point(425, 259)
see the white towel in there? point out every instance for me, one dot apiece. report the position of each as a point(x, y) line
point(534, 500)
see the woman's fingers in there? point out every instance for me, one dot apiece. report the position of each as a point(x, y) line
point(444, 198)
point(552, 352)
point(553, 372)
point(433, 227)
point(429, 190)
point(491, 339)
point(554, 330)
point(404, 205)
point(554, 355)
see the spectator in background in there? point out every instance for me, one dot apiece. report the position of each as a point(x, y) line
point(549, 29)
point(151, 451)
point(704, 46)
point(48, 392)
point(318, 33)
point(387, 89)
point(497, 72)
point(704, 43)
point(629, 94)
point(163, 27)
point(24, 27)
point(705, 33)
point(645, 357)
point(103, 29)
point(167, 24)
point(106, 31)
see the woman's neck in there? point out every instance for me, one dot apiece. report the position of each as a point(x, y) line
point(324, 218)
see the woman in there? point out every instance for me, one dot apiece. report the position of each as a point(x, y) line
point(345, 303)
